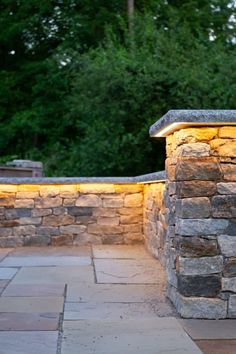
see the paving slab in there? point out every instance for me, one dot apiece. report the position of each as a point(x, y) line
point(4, 252)
point(51, 251)
point(217, 346)
point(54, 275)
point(115, 311)
point(145, 336)
point(210, 329)
point(7, 273)
point(37, 290)
point(120, 251)
point(114, 292)
point(24, 342)
point(29, 322)
point(31, 304)
point(128, 271)
point(40, 261)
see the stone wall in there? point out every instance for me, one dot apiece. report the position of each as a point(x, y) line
point(201, 189)
point(73, 214)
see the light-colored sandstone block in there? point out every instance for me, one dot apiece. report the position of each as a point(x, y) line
point(224, 147)
point(192, 135)
point(108, 221)
point(72, 229)
point(24, 203)
point(227, 132)
point(27, 195)
point(128, 188)
point(8, 188)
point(226, 188)
point(58, 220)
point(48, 202)
point(113, 202)
point(49, 191)
point(105, 229)
point(88, 200)
point(193, 150)
point(97, 188)
point(28, 188)
point(133, 200)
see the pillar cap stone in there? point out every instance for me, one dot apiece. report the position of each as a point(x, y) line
point(177, 119)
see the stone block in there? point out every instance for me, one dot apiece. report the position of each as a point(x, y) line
point(69, 191)
point(128, 188)
point(6, 201)
point(108, 221)
point(223, 147)
point(199, 285)
point(226, 188)
point(133, 237)
point(196, 247)
point(28, 188)
point(29, 221)
point(54, 220)
point(42, 240)
point(224, 206)
point(200, 168)
point(59, 211)
point(229, 267)
point(104, 229)
point(201, 227)
point(8, 188)
point(49, 191)
point(85, 220)
point(192, 135)
point(229, 172)
point(12, 214)
point(232, 306)
point(113, 202)
point(69, 202)
point(40, 212)
point(227, 245)
point(97, 188)
point(171, 188)
point(62, 240)
point(137, 228)
point(200, 266)
point(24, 230)
point(10, 241)
point(105, 212)
point(47, 230)
point(24, 203)
point(86, 238)
point(9, 223)
point(72, 229)
point(131, 211)
point(231, 229)
point(227, 132)
point(189, 189)
point(195, 208)
point(48, 202)
point(133, 200)
point(129, 219)
point(229, 284)
point(193, 150)
point(5, 231)
point(26, 195)
point(117, 239)
point(80, 211)
point(197, 307)
point(88, 200)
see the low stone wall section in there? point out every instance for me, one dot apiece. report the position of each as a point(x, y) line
point(70, 214)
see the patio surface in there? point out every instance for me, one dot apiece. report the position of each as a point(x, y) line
point(99, 299)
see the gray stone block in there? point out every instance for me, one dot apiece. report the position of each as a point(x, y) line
point(198, 285)
point(196, 246)
point(200, 266)
point(227, 245)
point(224, 206)
point(229, 284)
point(226, 188)
point(232, 307)
point(196, 208)
point(201, 227)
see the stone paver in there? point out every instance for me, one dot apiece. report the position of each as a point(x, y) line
point(115, 311)
point(54, 275)
point(144, 336)
point(31, 304)
point(28, 322)
point(208, 329)
point(23, 342)
point(37, 290)
point(143, 271)
point(7, 273)
point(114, 293)
point(35, 261)
point(120, 251)
point(217, 346)
point(4, 252)
point(51, 251)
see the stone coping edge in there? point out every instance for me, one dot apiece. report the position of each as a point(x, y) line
point(195, 116)
point(153, 177)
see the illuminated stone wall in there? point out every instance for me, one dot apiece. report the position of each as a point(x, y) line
point(201, 189)
point(72, 214)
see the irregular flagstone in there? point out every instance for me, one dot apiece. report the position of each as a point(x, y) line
point(115, 292)
point(120, 251)
point(4, 252)
point(35, 261)
point(34, 342)
point(54, 275)
point(149, 336)
point(116, 311)
point(51, 251)
point(127, 271)
point(29, 321)
point(207, 329)
point(7, 273)
point(31, 304)
point(24, 290)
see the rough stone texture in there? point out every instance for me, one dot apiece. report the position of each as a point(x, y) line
point(201, 227)
point(230, 267)
point(200, 266)
point(197, 285)
point(229, 284)
point(232, 306)
point(197, 168)
point(190, 189)
point(193, 150)
point(190, 208)
point(227, 245)
point(226, 188)
point(196, 246)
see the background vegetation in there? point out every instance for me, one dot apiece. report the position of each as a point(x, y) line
point(81, 81)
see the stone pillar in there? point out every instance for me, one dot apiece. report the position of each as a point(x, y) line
point(201, 203)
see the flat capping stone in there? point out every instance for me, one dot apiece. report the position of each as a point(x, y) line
point(178, 119)
point(153, 177)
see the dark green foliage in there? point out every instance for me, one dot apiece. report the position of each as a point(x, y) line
point(79, 92)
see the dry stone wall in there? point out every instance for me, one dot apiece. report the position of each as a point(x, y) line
point(72, 214)
point(201, 190)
